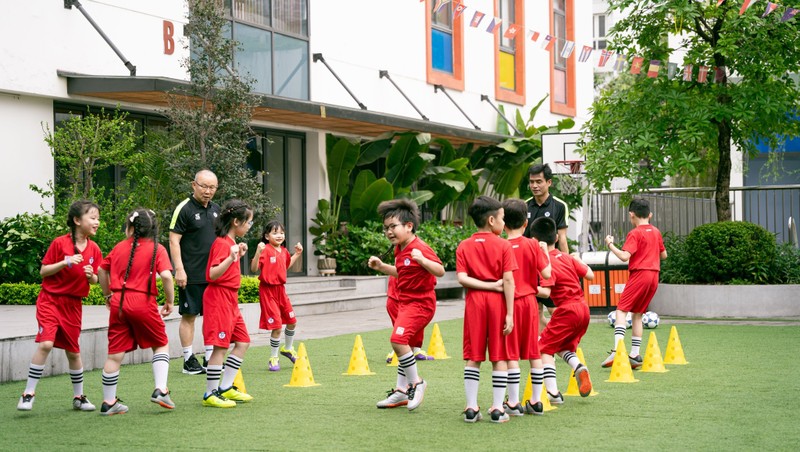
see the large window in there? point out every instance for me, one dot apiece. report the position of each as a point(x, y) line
point(445, 46)
point(510, 52)
point(274, 44)
point(562, 70)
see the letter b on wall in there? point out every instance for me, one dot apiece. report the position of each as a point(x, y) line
point(169, 42)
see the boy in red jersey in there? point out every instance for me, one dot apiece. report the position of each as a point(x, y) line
point(523, 342)
point(644, 247)
point(416, 267)
point(485, 266)
point(570, 320)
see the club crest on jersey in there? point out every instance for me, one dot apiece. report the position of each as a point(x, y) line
point(406, 262)
point(270, 320)
point(221, 335)
point(215, 214)
point(197, 216)
point(91, 260)
point(547, 214)
point(273, 259)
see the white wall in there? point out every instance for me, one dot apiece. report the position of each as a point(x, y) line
point(25, 156)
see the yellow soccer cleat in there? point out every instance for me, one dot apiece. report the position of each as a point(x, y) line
point(217, 401)
point(232, 394)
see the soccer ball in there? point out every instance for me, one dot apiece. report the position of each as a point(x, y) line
point(612, 318)
point(650, 320)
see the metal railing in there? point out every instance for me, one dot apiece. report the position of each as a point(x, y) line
point(679, 210)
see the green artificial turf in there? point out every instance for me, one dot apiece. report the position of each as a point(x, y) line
point(738, 392)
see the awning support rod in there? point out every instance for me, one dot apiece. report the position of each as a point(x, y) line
point(382, 74)
point(68, 4)
point(441, 88)
point(319, 57)
point(486, 98)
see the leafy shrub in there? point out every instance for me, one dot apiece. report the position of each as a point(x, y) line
point(723, 251)
point(786, 266)
point(675, 269)
point(444, 239)
point(24, 240)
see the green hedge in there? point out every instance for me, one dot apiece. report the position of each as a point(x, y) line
point(26, 294)
point(731, 252)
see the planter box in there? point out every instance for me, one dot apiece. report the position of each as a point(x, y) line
point(727, 301)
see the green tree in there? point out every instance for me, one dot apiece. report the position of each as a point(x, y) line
point(659, 127)
point(211, 117)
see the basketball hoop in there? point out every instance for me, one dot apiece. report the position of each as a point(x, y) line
point(571, 183)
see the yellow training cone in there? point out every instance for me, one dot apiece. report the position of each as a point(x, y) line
point(238, 381)
point(674, 353)
point(302, 377)
point(652, 357)
point(621, 371)
point(436, 347)
point(394, 362)
point(572, 387)
point(527, 396)
point(358, 360)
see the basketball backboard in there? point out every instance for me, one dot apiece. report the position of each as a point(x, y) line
point(559, 147)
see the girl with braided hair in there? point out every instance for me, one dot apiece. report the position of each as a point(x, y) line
point(128, 279)
point(68, 267)
point(223, 323)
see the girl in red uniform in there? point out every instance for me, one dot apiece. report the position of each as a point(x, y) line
point(222, 320)
point(68, 267)
point(128, 278)
point(276, 308)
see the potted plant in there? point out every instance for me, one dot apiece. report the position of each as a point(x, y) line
point(326, 223)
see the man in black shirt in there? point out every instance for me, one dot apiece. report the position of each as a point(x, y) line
point(191, 233)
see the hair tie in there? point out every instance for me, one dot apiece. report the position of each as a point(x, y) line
point(135, 214)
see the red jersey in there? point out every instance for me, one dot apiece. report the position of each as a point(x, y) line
point(645, 244)
point(220, 250)
point(116, 263)
point(70, 281)
point(391, 289)
point(565, 278)
point(274, 264)
point(531, 260)
point(412, 277)
point(485, 256)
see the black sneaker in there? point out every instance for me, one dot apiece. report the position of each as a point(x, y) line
point(192, 367)
point(498, 416)
point(516, 410)
point(636, 361)
point(115, 408)
point(535, 408)
point(472, 416)
point(557, 399)
point(205, 364)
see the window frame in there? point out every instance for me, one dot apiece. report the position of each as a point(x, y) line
point(597, 39)
point(435, 77)
point(516, 96)
point(568, 108)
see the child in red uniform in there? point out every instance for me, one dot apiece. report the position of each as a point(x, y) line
point(68, 267)
point(416, 267)
point(644, 247)
point(392, 308)
point(523, 342)
point(223, 321)
point(128, 279)
point(276, 308)
point(570, 320)
point(485, 266)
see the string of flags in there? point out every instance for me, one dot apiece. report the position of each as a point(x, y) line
point(513, 31)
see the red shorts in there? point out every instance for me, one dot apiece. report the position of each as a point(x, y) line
point(408, 326)
point(565, 328)
point(484, 318)
point(392, 308)
point(276, 309)
point(222, 320)
point(639, 291)
point(140, 326)
point(523, 342)
point(59, 318)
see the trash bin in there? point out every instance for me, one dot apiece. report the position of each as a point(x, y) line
point(610, 277)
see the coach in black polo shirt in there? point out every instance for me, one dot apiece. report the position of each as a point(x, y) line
point(191, 233)
point(543, 204)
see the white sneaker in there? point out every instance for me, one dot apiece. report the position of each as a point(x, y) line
point(26, 402)
point(394, 399)
point(81, 403)
point(557, 399)
point(416, 393)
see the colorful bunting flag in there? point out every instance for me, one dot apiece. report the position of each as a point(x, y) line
point(458, 9)
point(512, 31)
point(744, 7)
point(534, 36)
point(476, 19)
point(636, 65)
point(687, 73)
point(719, 2)
point(619, 65)
point(605, 55)
point(547, 42)
point(493, 24)
point(790, 12)
point(702, 74)
point(672, 70)
point(586, 52)
point(569, 46)
point(719, 74)
point(770, 8)
point(652, 71)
